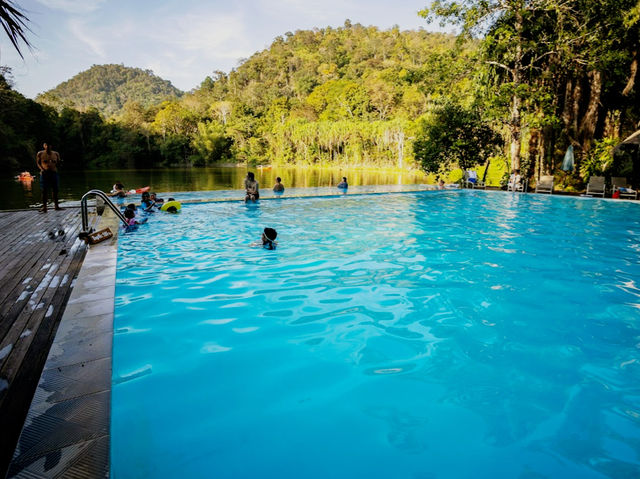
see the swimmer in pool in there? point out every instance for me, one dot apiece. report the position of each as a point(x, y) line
point(268, 239)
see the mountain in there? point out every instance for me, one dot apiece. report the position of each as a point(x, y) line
point(108, 87)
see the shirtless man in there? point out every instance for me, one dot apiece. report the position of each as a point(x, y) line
point(48, 161)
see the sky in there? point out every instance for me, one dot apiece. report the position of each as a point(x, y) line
point(182, 41)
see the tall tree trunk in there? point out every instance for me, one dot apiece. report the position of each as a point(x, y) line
point(515, 132)
point(567, 110)
point(590, 119)
point(575, 108)
point(534, 153)
point(632, 75)
point(515, 123)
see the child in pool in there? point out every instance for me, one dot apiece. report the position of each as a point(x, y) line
point(132, 222)
point(118, 190)
point(157, 201)
point(268, 239)
point(147, 204)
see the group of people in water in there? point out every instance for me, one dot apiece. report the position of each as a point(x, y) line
point(149, 203)
point(139, 214)
point(252, 187)
point(252, 194)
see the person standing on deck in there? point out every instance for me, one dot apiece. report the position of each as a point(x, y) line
point(48, 161)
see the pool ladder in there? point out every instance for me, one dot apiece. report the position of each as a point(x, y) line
point(85, 215)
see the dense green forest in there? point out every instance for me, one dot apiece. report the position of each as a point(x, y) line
point(522, 81)
point(108, 88)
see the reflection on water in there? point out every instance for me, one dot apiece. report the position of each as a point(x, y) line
point(73, 184)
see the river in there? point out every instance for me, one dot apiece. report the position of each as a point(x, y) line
point(15, 194)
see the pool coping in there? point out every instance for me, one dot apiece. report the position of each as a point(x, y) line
point(67, 430)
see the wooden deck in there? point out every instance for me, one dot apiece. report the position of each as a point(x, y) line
point(40, 256)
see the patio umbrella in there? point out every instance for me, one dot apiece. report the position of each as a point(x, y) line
point(631, 145)
point(567, 162)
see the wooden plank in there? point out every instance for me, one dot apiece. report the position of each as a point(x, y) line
point(31, 231)
point(30, 253)
point(15, 286)
point(21, 247)
point(22, 366)
point(30, 320)
point(31, 300)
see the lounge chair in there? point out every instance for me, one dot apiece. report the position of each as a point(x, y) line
point(596, 186)
point(521, 186)
point(619, 184)
point(471, 180)
point(545, 185)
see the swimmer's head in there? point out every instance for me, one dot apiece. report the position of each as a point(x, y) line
point(269, 234)
point(129, 214)
point(278, 179)
point(132, 207)
point(172, 209)
point(145, 195)
point(251, 176)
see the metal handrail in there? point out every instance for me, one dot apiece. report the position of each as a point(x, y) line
point(85, 215)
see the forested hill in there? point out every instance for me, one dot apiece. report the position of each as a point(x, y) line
point(361, 96)
point(347, 95)
point(108, 87)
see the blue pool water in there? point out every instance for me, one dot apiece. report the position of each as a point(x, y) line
point(451, 334)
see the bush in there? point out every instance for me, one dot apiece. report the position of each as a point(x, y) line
point(599, 160)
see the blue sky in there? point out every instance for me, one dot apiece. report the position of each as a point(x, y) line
point(180, 40)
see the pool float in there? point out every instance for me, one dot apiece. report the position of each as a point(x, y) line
point(139, 190)
point(25, 176)
point(169, 204)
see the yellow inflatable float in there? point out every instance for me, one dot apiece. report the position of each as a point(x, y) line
point(171, 206)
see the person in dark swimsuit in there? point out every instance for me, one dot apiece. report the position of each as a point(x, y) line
point(48, 161)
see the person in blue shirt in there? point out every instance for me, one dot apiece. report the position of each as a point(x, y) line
point(343, 185)
point(147, 204)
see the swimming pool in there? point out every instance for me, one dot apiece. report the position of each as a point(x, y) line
point(444, 334)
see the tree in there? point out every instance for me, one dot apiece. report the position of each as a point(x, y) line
point(454, 136)
point(506, 22)
point(211, 143)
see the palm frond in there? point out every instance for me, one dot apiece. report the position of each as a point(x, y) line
point(14, 23)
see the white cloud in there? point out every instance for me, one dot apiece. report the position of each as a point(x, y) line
point(88, 36)
point(207, 34)
point(76, 7)
point(188, 48)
